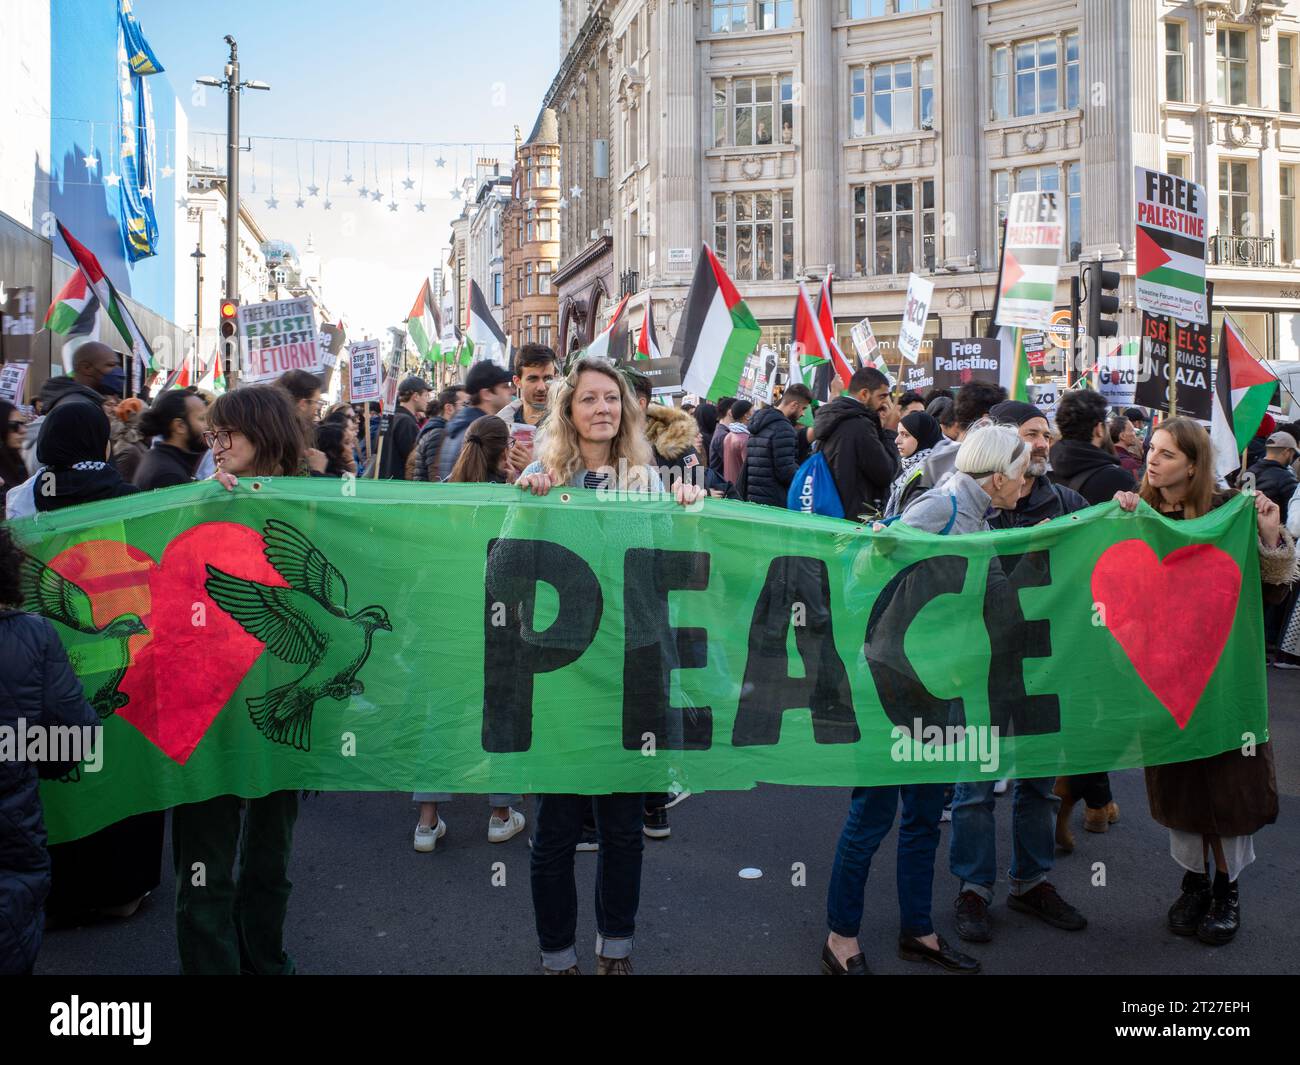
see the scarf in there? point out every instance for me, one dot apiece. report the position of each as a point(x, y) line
point(911, 466)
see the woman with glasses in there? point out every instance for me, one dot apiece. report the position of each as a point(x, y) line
point(230, 926)
point(593, 437)
point(13, 428)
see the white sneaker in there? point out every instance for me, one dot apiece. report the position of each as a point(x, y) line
point(427, 838)
point(946, 815)
point(499, 831)
point(1000, 787)
point(1286, 665)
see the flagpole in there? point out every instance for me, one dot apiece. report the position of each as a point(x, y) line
point(1171, 367)
point(992, 329)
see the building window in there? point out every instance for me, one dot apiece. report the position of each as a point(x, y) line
point(874, 8)
point(519, 282)
point(1232, 67)
point(1073, 211)
point(1175, 61)
point(1033, 86)
point(761, 245)
point(892, 213)
point(543, 175)
point(860, 229)
point(775, 14)
point(543, 279)
point(925, 79)
point(1286, 87)
point(728, 16)
point(528, 329)
point(531, 230)
point(1234, 197)
point(528, 278)
point(1001, 201)
point(1177, 165)
point(545, 224)
point(1286, 220)
point(755, 104)
point(891, 97)
point(496, 290)
point(544, 329)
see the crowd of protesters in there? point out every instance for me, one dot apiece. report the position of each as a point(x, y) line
point(945, 463)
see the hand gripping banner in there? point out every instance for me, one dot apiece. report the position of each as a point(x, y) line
point(385, 636)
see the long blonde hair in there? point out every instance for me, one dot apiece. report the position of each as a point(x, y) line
point(1193, 441)
point(629, 451)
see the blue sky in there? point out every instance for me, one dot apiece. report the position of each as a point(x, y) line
point(383, 70)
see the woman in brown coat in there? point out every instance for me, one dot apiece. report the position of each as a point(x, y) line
point(1210, 805)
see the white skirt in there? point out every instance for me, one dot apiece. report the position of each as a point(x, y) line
point(1188, 850)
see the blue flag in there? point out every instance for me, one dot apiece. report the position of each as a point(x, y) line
point(136, 188)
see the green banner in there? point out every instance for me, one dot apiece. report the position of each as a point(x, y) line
point(353, 635)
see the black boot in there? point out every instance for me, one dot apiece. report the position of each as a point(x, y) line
point(1220, 924)
point(1192, 904)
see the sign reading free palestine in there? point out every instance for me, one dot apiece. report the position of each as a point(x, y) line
point(277, 337)
point(598, 645)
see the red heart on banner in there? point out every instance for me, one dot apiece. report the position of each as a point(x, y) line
point(195, 654)
point(1135, 589)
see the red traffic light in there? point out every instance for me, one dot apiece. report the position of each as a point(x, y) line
point(229, 308)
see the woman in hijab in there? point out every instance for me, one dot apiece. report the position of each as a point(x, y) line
point(109, 873)
point(72, 455)
point(918, 432)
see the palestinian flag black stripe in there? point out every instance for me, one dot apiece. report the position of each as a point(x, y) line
point(1177, 242)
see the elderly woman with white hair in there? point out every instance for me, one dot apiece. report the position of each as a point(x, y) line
point(991, 465)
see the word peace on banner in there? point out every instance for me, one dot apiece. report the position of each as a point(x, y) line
point(285, 636)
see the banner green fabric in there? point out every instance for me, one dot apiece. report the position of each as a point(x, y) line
point(353, 635)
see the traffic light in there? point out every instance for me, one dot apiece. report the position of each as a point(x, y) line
point(229, 309)
point(1101, 301)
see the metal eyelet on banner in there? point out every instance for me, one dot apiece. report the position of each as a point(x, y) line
point(257, 486)
point(565, 497)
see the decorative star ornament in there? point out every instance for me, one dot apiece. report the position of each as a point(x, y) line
point(112, 180)
point(167, 171)
point(313, 190)
point(440, 162)
point(531, 204)
point(420, 207)
point(272, 204)
point(392, 206)
point(183, 203)
point(409, 183)
point(563, 203)
point(327, 205)
point(364, 192)
point(299, 202)
point(91, 161)
point(348, 179)
point(455, 194)
point(576, 192)
point(377, 196)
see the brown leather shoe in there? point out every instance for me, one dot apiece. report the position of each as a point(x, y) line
point(613, 966)
point(1112, 811)
point(1064, 837)
point(1096, 820)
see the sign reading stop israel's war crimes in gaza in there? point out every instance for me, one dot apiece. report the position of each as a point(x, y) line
point(1171, 234)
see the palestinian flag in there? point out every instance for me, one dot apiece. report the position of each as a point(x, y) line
point(74, 310)
point(1171, 259)
point(647, 344)
point(809, 351)
point(612, 343)
point(1242, 390)
point(425, 325)
point(1030, 274)
point(717, 332)
point(103, 289)
point(826, 319)
point(484, 338)
point(1014, 372)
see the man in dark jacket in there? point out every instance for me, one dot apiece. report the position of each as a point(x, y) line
point(179, 418)
point(36, 683)
point(1078, 459)
point(1043, 500)
point(488, 386)
point(1273, 474)
point(450, 402)
point(856, 432)
point(771, 459)
point(412, 401)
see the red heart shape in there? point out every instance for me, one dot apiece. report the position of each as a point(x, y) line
point(199, 654)
point(1134, 588)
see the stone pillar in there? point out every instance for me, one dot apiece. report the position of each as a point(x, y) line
point(820, 136)
point(962, 121)
point(679, 176)
point(1107, 151)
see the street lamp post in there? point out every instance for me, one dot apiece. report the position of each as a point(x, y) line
point(198, 257)
point(233, 87)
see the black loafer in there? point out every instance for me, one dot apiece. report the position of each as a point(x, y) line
point(1191, 906)
point(912, 949)
point(831, 965)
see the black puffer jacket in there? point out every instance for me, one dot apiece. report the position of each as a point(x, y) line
point(1275, 480)
point(453, 438)
point(771, 458)
point(1095, 474)
point(37, 683)
point(861, 453)
point(426, 449)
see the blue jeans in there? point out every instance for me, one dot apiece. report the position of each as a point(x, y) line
point(972, 853)
point(558, 829)
point(871, 815)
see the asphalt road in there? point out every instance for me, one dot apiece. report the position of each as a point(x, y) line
point(365, 902)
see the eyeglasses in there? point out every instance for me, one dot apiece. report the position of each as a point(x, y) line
point(219, 437)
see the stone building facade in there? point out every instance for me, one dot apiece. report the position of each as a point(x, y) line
point(531, 234)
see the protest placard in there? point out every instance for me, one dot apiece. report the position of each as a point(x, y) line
point(1031, 260)
point(958, 362)
point(277, 337)
point(363, 371)
point(1194, 345)
point(1171, 236)
point(915, 311)
point(13, 382)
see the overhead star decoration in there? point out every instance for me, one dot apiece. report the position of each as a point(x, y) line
point(409, 183)
point(392, 206)
point(91, 161)
point(440, 162)
point(272, 204)
point(376, 195)
point(348, 179)
point(364, 192)
point(327, 205)
point(420, 207)
point(455, 194)
point(576, 192)
point(313, 190)
point(112, 180)
point(531, 204)
point(563, 203)
point(299, 201)
point(167, 171)
point(183, 203)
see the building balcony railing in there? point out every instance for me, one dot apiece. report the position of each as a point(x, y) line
point(1232, 249)
point(629, 282)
